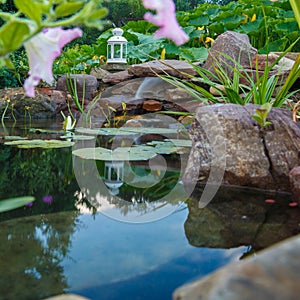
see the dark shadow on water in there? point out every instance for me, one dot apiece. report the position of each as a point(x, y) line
point(241, 216)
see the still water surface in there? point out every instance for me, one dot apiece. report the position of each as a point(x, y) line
point(65, 245)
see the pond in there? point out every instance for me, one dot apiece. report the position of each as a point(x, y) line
point(133, 244)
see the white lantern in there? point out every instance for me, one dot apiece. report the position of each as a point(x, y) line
point(113, 175)
point(117, 47)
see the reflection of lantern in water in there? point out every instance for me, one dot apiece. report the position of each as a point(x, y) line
point(117, 47)
point(113, 175)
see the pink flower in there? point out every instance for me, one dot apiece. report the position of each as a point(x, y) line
point(166, 20)
point(42, 50)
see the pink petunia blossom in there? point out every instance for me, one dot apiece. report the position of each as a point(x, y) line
point(165, 18)
point(42, 50)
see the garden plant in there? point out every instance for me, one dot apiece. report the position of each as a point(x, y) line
point(39, 27)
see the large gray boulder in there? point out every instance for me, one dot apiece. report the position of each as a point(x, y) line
point(45, 104)
point(272, 274)
point(226, 137)
point(228, 49)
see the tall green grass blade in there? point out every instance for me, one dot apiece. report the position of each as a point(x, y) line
point(292, 77)
point(296, 8)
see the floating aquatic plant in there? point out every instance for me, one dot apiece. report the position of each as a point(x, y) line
point(119, 154)
point(46, 144)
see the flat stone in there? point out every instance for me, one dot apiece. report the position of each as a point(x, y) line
point(261, 61)
point(271, 274)
point(99, 73)
point(115, 67)
point(113, 78)
point(171, 67)
point(152, 105)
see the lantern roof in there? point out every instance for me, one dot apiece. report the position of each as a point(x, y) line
point(117, 36)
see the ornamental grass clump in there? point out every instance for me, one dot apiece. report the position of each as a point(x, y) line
point(244, 86)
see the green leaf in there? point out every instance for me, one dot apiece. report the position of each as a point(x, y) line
point(68, 8)
point(275, 46)
point(12, 35)
point(47, 144)
point(96, 16)
point(194, 54)
point(257, 119)
point(180, 142)
point(14, 138)
point(296, 8)
point(233, 96)
point(199, 21)
point(267, 123)
point(31, 9)
point(127, 131)
point(135, 153)
point(13, 203)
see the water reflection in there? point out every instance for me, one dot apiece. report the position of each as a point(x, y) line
point(238, 216)
point(45, 255)
point(113, 176)
point(143, 197)
point(54, 248)
point(32, 250)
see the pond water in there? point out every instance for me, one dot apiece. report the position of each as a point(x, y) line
point(63, 243)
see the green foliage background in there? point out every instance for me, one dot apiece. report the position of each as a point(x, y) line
point(271, 26)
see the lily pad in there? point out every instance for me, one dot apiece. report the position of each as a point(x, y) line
point(47, 144)
point(14, 138)
point(163, 147)
point(127, 131)
point(180, 142)
point(13, 203)
point(77, 137)
point(39, 130)
point(169, 146)
point(103, 131)
point(135, 153)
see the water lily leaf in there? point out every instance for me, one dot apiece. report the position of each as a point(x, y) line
point(166, 148)
point(119, 154)
point(102, 131)
point(78, 137)
point(47, 144)
point(180, 142)
point(163, 147)
point(127, 131)
point(39, 130)
point(14, 138)
point(172, 142)
point(13, 203)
